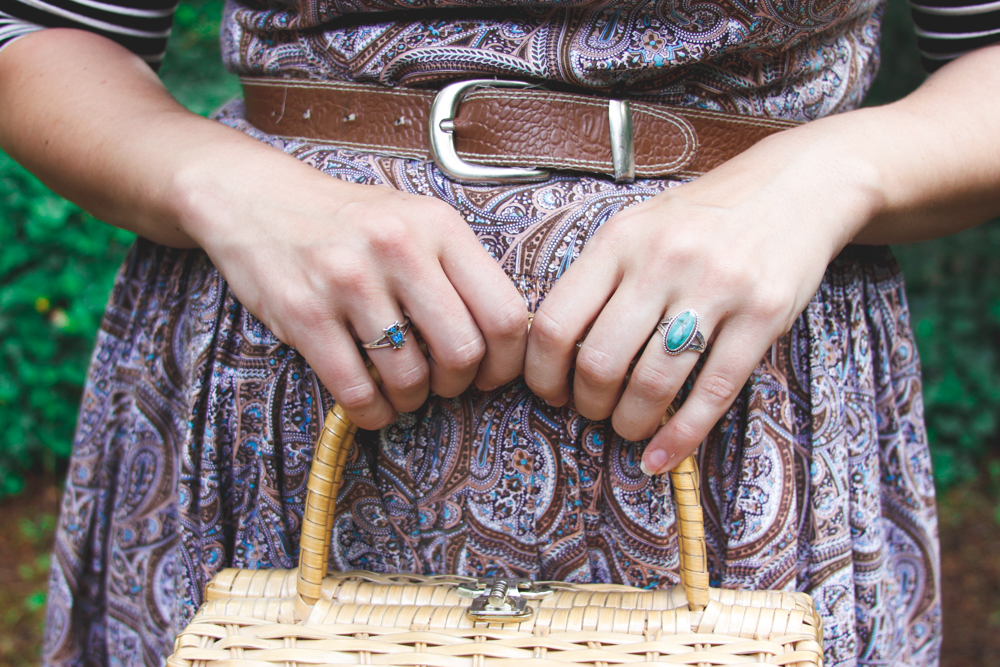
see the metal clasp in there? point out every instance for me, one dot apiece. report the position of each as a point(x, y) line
point(498, 601)
point(521, 587)
point(622, 140)
point(442, 137)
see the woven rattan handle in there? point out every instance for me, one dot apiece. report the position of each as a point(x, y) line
point(691, 532)
point(327, 471)
point(335, 442)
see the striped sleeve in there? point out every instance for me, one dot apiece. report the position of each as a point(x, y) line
point(141, 26)
point(947, 29)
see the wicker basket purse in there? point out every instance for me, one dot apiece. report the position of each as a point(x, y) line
point(258, 618)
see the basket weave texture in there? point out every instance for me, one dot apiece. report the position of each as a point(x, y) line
point(261, 618)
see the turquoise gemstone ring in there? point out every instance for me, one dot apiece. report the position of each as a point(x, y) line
point(680, 333)
point(393, 336)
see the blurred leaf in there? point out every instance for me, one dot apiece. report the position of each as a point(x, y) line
point(954, 287)
point(35, 601)
point(57, 265)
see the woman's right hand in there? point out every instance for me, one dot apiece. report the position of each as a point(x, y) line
point(324, 263)
point(328, 264)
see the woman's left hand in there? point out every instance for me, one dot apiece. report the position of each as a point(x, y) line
point(747, 244)
point(745, 247)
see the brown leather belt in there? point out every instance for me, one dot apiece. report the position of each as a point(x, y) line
point(521, 126)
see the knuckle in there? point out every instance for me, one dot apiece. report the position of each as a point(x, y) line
point(597, 368)
point(612, 236)
point(649, 383)
point(772, 311)
point(441, 210)
point(300, 311)
point(348, 271)
point(684, 431)
point(510, 321)
point(411, 379)
point(464, 356)
point(390, 238)
point(442, 215)
point(728, 276)
point(547, 331)
point(718, 389)
point(359, 396)
point(774, 304)
point(681, 248)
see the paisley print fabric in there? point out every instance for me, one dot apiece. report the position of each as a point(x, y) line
point(197, 424)
point(197, 427)
point(795, 60)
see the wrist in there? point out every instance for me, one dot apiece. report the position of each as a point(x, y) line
point(812, 175)
point(224, 189)
point(849, 178)
point(202, 203)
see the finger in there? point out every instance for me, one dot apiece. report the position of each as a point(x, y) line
point(562, 320)
point(622, 329)
point(732, 359)
point(404, 371)
point(453, 338)
point(500, 313)
point(334, 357)
point(654, 383)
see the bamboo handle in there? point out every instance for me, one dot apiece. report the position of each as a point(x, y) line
point(327, 471)
point(325, 475)
point(691, 533)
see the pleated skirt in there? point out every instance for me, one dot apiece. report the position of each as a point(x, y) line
point(197, 426)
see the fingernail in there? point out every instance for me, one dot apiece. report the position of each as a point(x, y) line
point(653, 461)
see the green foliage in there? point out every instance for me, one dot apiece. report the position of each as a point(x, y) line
point(192, 69)
point(56, 268)
point(954, 290)
point(57, 264)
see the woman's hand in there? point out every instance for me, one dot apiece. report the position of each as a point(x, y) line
point(323, 263)
point(327, 264)
point(746, 246)
point(745, 250)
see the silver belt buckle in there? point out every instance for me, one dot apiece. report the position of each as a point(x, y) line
point(442, 138)
point(442, 135)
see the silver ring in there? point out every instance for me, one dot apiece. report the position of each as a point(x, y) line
point(393, 336)
point(680, 333)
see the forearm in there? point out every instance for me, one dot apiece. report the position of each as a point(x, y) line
point(936, 153)
point(96, 125)
point(923, 167)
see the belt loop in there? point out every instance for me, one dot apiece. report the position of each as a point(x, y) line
point(622, 141)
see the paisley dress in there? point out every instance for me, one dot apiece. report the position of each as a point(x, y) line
point(197, 424)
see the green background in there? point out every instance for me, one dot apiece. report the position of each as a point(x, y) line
point(57, 264)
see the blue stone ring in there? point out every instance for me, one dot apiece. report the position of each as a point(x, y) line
point(680, 333)
point(393, 336)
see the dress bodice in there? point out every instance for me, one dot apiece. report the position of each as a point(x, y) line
point(798, 59)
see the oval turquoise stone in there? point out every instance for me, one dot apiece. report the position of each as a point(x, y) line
point(679, 331)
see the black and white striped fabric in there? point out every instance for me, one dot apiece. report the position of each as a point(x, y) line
point(947, 29)
point(142, 26)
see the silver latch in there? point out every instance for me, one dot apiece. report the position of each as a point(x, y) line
point(501, 600)
point(525, 588)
